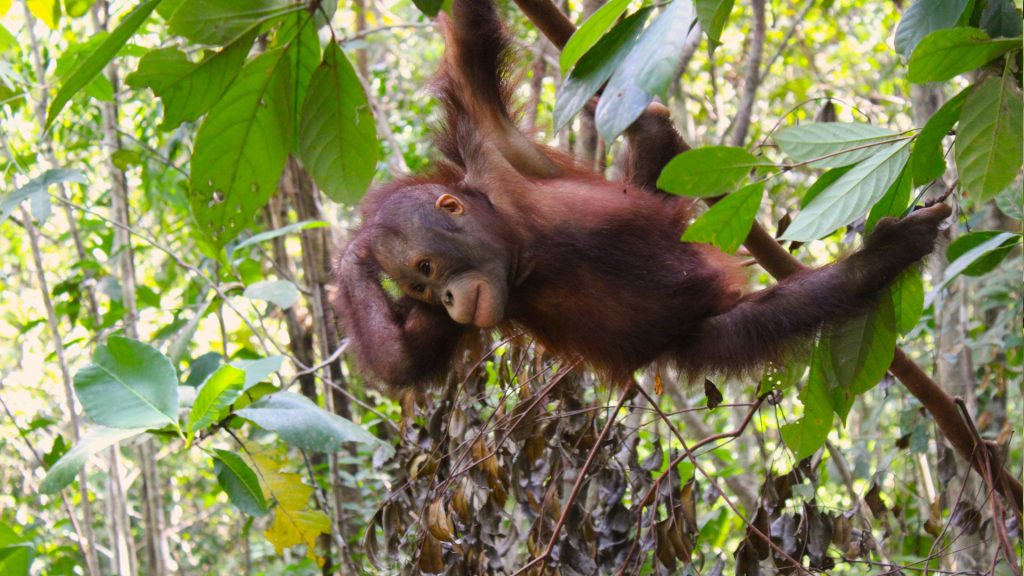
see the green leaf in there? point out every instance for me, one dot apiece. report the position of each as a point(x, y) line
point(67, 468)
point(1000, 18)
point(280, 292)
point(16, 551)
point(128, 385)
point(843, 143)
point(713, 14)
point(927, 161)
point(727, 223)
point(282, 231)
point(894, 203)
point(596, 66)
point(988, 147)
point(338, 138)
point(215, 395)
point(805, 436)
point(986, 261)
point(241, 149)
point(976, 254)
point(908, 299)
point(77, 8)
point(707, 172)
point(188, 90)
point(661, 44)
point(822, 183)
point(429, 7)
point(200, 369)
point(1011, 201)
point(943, 54)
point(861, 350)
point(37, 187)
point(303, 424)
point(221, 22)
point(851, 195)
point(924, 17)
point(298, 33)
point(257, 371)
point(588, 34)
point(240, 483)
point(623, 100)
point(95, 62)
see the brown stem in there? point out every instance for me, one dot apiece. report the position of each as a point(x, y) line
point(752, 77)
point(549, 19)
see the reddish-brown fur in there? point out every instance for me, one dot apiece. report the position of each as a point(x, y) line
point(590, 267)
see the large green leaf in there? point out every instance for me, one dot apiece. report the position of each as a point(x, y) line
point(661, 44)
point(128, 385)
point(64, 471)
point(241, 149)
point(707, 172)
point(338, 139)
point(805, 436)
point(1001, 18)
point(988, 147)
point(240, 483)
point(16, 551)
point(258, 370)
point(36, 188)
point(924, 17)
point(843, 143)
point(588, 34)
point(894, 203)
point(822, 184)
point(985, 261)
point(927, 161)
point(943, 54)
point(908, 299)
point(280, 292)
point(303, 424)
point(977, 257)
point(429, 7)
point(851, 195)
point(298, 33)
point(713, 14)
point(95, 62)
point(727, 223)
point(189, 89)
point(623, 100)
point(861, 350)
point(221, 22)
point(217, 393)
point(596, 66)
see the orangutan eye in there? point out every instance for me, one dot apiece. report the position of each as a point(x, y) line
point(419, 288)
point(425, 267)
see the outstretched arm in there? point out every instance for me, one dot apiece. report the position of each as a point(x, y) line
point(404, 342)
point(754, 330)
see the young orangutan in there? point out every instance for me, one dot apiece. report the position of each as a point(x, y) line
point(508, 233)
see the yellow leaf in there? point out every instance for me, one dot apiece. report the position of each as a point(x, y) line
point(5, 5)
point(46, 10)
point(291, 528)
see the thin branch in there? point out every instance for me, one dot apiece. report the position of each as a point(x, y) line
point(752, 78)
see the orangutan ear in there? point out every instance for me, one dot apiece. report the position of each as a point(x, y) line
point(450, 204)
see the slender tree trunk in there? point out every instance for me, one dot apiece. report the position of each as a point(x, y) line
point(751, 76)
point(89, 546)
point(156, 539)
point(955, 373)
